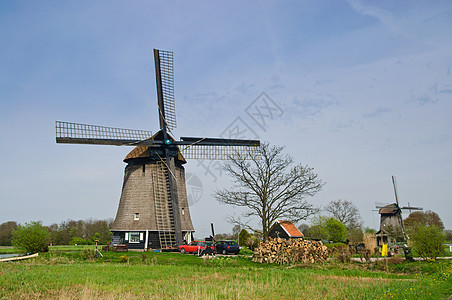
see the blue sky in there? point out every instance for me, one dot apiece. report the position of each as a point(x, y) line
point(363, 91)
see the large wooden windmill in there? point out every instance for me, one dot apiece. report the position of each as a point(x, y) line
point(153, 210)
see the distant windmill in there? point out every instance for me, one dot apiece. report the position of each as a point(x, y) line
point(391, 214)
point(153, 210)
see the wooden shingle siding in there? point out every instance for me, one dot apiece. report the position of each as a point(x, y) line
point(138, 196)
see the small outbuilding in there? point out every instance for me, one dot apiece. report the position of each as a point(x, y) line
point(285, 230)
point(382, 237)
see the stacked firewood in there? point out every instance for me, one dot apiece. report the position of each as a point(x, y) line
point(290, 251)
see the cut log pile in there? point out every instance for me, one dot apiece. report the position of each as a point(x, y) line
point(290, 251)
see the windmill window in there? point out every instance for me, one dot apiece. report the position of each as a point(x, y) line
point(136, 216)
point(183, 211)
point(134, 237)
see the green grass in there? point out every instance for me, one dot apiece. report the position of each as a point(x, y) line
point(246, 251)
point(74, 248)
point(9, 249)
point(65, 273)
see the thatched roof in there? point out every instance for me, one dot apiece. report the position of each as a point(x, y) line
point(390, 209)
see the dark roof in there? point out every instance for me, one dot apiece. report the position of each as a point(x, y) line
point(390, 209)
point(143, 152)
point(138, 152)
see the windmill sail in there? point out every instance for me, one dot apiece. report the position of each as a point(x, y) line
point(220, 152)
point(398, 207)
point(164, 69)
point(76, 133)
point(218, 148)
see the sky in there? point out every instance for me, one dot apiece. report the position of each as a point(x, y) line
point(358, 90)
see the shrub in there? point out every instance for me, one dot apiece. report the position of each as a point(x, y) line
point(428, 241)
point(327, 229)
point(78, 241)
point(355, 235)
point(318, 232)
point(337, 231)
point(144, 257)
point(369, 230)
point(89, 254)
point(31, 237)
point(244, 237)
point(340, 252)
point(448, 235)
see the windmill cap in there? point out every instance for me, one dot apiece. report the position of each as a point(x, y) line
point(144, 152)
point(390, 209)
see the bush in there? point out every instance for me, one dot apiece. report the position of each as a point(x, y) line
point(337, 231)
point(428, 241)
point(369, 230)
point(355, 235)
point(339, 251)
point(31, 237)
point(317, 232)
point(78, 241)
point(448, 235)
point(244, 237)
point(330, 229)
point(334, 245)
point(89, 254)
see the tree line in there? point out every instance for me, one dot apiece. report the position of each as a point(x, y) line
point(70, 232)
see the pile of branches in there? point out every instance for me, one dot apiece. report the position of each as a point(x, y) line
point(290, 251)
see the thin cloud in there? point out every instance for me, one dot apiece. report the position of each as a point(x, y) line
point(418, 21)
point(378, 112)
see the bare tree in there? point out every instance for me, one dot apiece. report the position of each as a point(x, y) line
point(270, 187)
point(235, 231)
point(346, 212)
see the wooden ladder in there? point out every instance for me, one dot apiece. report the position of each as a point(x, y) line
point(163, 210)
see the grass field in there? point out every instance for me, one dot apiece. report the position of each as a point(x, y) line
point(71, 273)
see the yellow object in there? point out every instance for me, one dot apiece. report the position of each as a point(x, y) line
point(384, 250)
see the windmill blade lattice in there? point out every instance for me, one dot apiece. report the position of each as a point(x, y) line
point(76, 133)
point(167, 79)
point(220, 152)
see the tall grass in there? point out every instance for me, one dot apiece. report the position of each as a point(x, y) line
point(172, 275)
point(9, 249)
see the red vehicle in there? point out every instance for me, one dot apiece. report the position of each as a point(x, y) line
point(193, 247)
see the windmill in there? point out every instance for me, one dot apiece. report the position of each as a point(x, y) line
point(391, 215)
point(153, 209)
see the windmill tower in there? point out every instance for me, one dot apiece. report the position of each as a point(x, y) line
point(153, 210)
